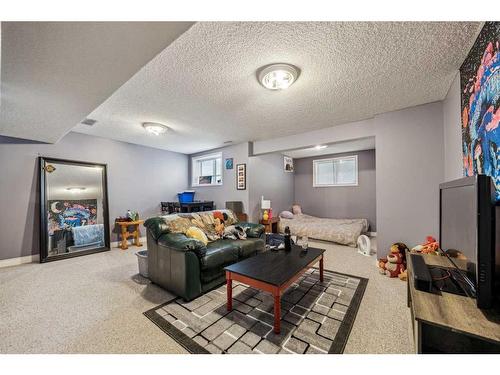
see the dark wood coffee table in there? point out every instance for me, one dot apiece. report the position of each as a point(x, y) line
point(273, 272)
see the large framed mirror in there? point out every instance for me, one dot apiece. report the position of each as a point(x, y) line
point(74, 217)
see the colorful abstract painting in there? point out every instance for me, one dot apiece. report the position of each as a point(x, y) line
point(71, 213)
point(480, 84)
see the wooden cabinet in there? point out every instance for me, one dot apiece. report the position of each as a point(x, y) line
point(450, 323)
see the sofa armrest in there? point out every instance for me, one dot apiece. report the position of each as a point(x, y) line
point(252, 230)
point(180, 242)
point(157, 227)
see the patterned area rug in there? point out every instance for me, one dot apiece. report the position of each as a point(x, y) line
point(316, 317)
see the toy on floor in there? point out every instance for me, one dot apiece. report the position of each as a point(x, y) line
point(395, 263)
point(431, 246)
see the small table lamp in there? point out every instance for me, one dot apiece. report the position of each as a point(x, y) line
point(265, 205)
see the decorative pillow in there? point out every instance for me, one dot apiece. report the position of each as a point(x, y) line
point(296, 209)
point(198, 234)
point(286, 215)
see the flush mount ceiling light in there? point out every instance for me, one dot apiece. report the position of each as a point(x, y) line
point(320, 147)
point(155, 128)
point(278, 76)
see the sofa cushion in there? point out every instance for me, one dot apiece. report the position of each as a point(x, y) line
point(219, 254)
point(249, 247)
point(252, 230)
point(180, 242)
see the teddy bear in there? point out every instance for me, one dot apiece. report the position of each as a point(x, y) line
point(395, 263)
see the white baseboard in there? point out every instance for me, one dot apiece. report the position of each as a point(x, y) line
point(19, 260)
point(36, 258)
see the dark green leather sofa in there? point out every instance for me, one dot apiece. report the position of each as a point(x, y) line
point(188, 268)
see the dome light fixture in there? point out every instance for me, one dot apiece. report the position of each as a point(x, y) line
point(155, 128)
point(320, 147)
point(278, 76)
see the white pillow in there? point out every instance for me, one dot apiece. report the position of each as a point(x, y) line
point(286, 215)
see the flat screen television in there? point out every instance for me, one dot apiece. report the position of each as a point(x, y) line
point(467, 224)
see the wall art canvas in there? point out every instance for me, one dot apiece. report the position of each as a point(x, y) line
point(480, 85)
point(71, 213)
point(288, 164)
point(229, 163)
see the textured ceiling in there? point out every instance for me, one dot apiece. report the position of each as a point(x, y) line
point(54, 73)
point(204, 84)
point(334, 148)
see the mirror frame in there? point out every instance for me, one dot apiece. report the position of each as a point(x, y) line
point(44, 257)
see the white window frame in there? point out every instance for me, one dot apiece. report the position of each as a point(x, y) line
point(195, 176)
point(350, 157)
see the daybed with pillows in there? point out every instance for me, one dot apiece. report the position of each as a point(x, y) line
point(187, 253)
point(342, 231)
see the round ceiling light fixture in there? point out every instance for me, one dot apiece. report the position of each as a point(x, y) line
point(155, 128)
point(278, 76)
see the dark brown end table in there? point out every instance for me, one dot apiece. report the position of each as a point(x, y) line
point(271, 225)
point(273, 272)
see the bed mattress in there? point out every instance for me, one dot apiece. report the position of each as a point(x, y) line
point(342, 231)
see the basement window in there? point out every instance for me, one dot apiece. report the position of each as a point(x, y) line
point(341, 171)
point(206, 170)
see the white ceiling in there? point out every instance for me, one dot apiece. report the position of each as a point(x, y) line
point(54, 73)
point(204, 84)
point(334, 148)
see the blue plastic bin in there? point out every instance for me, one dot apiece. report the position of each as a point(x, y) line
point(186, 196)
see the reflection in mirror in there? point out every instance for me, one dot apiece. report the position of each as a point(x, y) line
point(75, 208)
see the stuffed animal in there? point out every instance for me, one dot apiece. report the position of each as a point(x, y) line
point(403, 275)
point(395, 263)
point(431, 246)
point(219, 227)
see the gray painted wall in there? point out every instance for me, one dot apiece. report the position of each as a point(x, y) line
point(269, 179)
point(453, 164)
point(227, 191)
point(138, 179)
point(409, 159)
point(338, 202)
point(409, 165)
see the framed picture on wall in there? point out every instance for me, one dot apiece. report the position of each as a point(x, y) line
point(229, 163)
point(288, 164)
point(241, 177)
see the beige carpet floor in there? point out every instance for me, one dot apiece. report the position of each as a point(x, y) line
point(94, 304)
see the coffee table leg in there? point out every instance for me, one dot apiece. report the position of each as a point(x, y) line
point(321, 269)
point(277, 311)
point(229, 288)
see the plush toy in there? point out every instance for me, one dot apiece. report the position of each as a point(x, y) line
point(381, 265)
point(431, 246)
point(219, 215)
point(395, 263)
point(219, 227)
point(403, 275)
